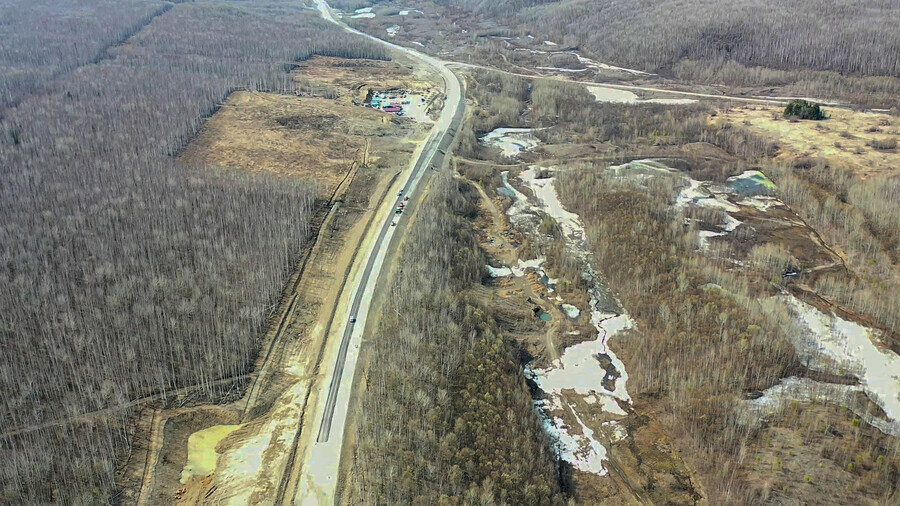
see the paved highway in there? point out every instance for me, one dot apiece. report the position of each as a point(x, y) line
point(321, 461)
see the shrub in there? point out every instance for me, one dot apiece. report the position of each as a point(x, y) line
point(886, 144)
point(801, 109)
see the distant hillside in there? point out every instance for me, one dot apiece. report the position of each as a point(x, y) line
point(847, 36)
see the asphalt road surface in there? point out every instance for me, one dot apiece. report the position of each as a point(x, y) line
point(321, 463)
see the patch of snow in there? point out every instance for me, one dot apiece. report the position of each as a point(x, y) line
point(392, 31)
point(418, 43)
point(591, 63)
point(581, 450)
point(571, 311)
point(618, 431)
point(524, 265)
point(697, 193)
point(545, 192)
point(562, 70)
point(363, 10)
point(407, 11)
point(579, 367)
point(801, 389)
point(731, 223)
point(704, 237)
point(363, 15)
point(518, 271)
point(548, 43)
point(761, 203)
point(511, 141)
point(853, 348)
point(498, 272)
point(645, 166)
point(521, 201)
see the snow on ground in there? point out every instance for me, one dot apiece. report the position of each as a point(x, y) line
point(363, 10)
point(761, 203)
point(392, 31)
point(579, 368)
point(499, 272)
point(571, 311)
point(511, 141)
point(853, 348)
point(519, 270)
point(363, 15)
point(592, 63)
point(704, 237)
point(524, 265)
point(581, 450)
point(407, 11)
point(548, 43)
point(801, 389)
point(417, 43)
point(618, 96)
point(699, 194)
point(545, 192)
point(557, 69)
point(731, 223)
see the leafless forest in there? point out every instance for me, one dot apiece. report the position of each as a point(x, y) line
point(697, 350)
point(447, 417)
point(849, 36)
point(124, 273)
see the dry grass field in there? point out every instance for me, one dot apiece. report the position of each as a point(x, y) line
point(847, 137)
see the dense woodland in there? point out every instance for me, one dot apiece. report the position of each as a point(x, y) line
point(124, 273)
point(446, 416)
point(44, 39)
point(848, 36)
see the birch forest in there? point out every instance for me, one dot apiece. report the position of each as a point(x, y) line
point(123, 273)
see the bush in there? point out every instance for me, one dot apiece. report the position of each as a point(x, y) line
point(801, 109)
point(887, 144)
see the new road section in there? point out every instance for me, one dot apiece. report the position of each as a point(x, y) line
point(321, 463)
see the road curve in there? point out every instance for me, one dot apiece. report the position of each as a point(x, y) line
point(320, 466)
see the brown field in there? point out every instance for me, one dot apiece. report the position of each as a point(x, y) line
point(295, 136)
point(311, 136)
point(349, 79)
point(845, 137)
